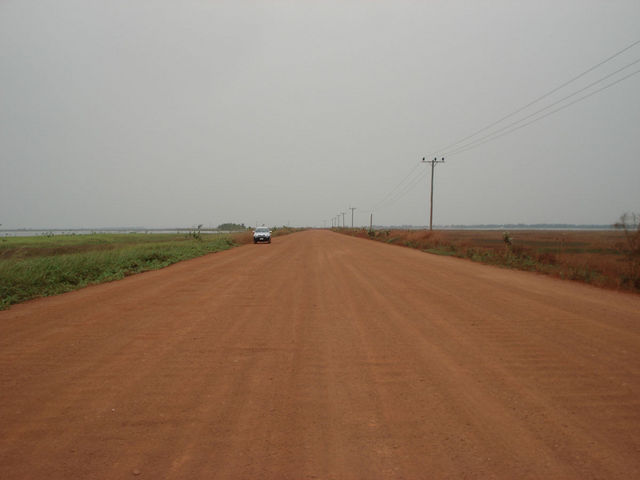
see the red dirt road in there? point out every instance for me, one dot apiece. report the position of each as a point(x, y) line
point(323, 356)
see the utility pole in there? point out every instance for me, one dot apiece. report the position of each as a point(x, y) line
point(371, 222)
point(433, 164)
point(343, 214)
point(352, 209)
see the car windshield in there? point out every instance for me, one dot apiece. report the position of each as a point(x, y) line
point(262, 229)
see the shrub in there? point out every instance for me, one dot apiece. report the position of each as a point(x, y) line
point(506, 238)
point(547, 258)
point(196, 233)
point(630, 224)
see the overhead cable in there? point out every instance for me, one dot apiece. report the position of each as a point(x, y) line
point(497, 133)
point(584, 97)
point(404, 191)
point(393, 191)
point(410, 181)
point(542, 97)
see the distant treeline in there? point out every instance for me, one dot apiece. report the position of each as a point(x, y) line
point(231, 227)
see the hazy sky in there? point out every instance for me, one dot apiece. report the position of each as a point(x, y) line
point(165, 113)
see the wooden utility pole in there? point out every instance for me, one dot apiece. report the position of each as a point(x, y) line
point(352, 209)
point(433, 164)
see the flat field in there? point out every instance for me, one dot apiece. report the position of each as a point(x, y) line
point(596, 257)
point(47, 265)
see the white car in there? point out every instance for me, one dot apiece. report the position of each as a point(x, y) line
point(262, 234)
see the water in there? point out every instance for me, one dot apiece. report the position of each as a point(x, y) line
point(27, 232)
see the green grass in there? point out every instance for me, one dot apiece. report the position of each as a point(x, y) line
point(85, 242)
point(41, 266)
point(445, 251)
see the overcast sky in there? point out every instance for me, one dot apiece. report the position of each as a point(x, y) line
point(164, 113)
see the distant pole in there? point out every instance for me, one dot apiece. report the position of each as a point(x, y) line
point(343, 214)
point(352, 209)
point(433, 164)
point(371, 223)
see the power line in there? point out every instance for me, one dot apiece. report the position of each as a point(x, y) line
point(496, 133)
point(410, 181)
point(393, 190)
point(409, 187)
point(455, 152)
point(404, 191)
point(515, 112)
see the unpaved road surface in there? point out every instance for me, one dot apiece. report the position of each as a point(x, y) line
point(323, 356)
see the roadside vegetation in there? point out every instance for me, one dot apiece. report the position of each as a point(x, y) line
point(232, 227)
point(33, 267)
point(603, 258)
point(49, 264)
point(629, 223)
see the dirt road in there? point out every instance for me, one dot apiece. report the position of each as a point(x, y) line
point(323, 356)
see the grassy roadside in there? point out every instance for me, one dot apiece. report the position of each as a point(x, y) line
point(45, 265)
point(33, 267)
point(598, 258)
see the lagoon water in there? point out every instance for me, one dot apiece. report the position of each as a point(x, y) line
point(44, 232)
